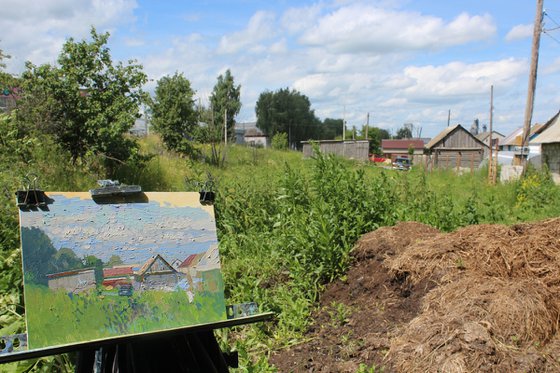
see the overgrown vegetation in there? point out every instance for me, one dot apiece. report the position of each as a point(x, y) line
point(286, 225)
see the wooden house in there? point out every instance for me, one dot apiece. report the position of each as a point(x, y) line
point(76, 281)
point(456, 147)
point(485, 138)
point(549, 141)
point(157, 274)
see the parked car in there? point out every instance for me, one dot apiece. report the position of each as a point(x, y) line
point(125, 290)
point(402, 163)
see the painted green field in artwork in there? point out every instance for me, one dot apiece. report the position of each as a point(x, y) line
point(56, 317)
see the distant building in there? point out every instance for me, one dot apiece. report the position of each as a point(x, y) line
point(549, 141)
point(140, 127)
point(485, 138)
point(456, 147)
point(400, 147)
point(76, 281)
point(352, 149)
point(255, 137)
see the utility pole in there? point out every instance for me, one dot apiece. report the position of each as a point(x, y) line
point(225, 126)
point(448, 117)
point(344, 124)
point(367, 125)
point(537, 29)
point(491, 169)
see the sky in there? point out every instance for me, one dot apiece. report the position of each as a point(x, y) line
point(133, 231)
point(401, 61)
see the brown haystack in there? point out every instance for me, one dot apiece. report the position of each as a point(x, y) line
point(496, 306)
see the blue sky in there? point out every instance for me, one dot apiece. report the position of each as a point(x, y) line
point(400, 60)
point(135, 231)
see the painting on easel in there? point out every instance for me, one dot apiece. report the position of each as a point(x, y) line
point(94, 271)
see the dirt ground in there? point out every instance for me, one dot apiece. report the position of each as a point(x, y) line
point(482, 298)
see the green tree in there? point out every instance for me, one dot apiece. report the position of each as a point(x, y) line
point(404, 133)
point(286, 111)
point(375, 135)
point(91, 261)
point(87, 102)
point(39, 258)
point(65, 259)
point(114, 260)
point(174, 115)
point(279, 141)
point(225, 98)
point(330, 129)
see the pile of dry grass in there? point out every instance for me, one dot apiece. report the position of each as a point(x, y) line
point(496, 304)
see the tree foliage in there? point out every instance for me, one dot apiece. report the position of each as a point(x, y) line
point(404, 133)
point(375, 135)
point(174, 114)
point(287, 111)
point(87, 102)
point(225, 98)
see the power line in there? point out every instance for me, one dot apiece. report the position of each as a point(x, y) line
point(552, 19)
point(550, 36)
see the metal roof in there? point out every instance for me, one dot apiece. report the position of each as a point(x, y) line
point(551, 133)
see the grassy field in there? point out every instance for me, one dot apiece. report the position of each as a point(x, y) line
point(287, 225)
point(57, 318)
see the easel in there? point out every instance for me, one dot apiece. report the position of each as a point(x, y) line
point(184, 349)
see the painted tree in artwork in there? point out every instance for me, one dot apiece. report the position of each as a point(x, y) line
point(39, 253)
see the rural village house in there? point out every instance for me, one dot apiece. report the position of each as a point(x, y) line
point(485, 138)
point(456, 147)
point(397, 148)
point(549, 141)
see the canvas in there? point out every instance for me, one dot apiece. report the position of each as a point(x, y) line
point(94, 271)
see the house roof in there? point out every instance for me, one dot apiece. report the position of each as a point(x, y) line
point(254, 132)
point(151, 261)
point(187, 262)
point(440, 136)
point(551, 133)
point(448, 131)
point(402, 144)
point(115, 272)
point(514, 138)
point(69, 273)
point(484, 135)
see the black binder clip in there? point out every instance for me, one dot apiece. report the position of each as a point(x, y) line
point(31, 196)
point(206, 189)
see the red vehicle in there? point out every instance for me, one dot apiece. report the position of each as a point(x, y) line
point(377, 159)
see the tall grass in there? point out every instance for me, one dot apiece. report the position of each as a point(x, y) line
point(287, 225)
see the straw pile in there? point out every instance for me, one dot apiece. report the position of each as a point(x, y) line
point(494, 305)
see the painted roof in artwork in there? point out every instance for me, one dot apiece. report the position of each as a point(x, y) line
point(120, 271)
point(189, 261)
point(70, 273)
point(155, 259)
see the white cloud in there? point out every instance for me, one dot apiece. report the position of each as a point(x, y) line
point(298, 19)
point(260, 27)
point(520, 32)
point(36, 30)
point(458, 79)
point(366, 29)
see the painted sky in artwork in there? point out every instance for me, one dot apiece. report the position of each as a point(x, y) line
point(133, 231)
